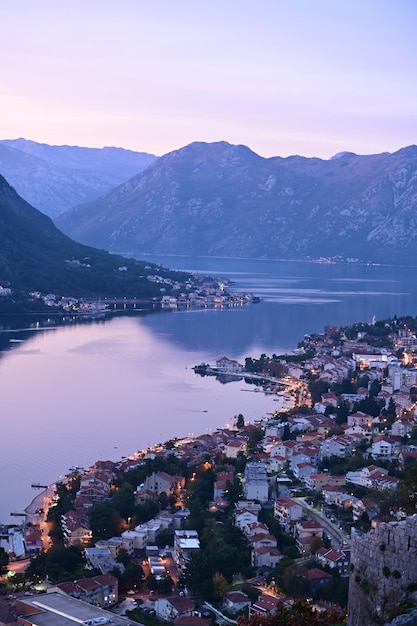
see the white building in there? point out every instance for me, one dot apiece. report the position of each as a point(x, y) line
point(185, 542)
point(256, 482)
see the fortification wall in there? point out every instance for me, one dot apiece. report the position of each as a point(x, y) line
point(383, 571)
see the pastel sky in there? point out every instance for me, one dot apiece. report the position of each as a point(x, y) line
point(309, 77)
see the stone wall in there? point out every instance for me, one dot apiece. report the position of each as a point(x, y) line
point(383, 571)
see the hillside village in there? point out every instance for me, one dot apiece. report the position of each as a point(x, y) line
point(194, 292)
point(252, 518)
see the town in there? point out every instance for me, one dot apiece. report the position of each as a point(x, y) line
point(313, 504)
point(195, 292)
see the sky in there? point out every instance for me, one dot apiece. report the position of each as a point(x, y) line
point(283, 77)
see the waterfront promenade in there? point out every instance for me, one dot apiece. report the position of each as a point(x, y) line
point(37, 511)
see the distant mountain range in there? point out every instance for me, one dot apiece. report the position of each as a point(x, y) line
point(225, 200)
point(56, 178)
point(36, 256)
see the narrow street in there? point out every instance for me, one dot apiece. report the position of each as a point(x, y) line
point(338, 537)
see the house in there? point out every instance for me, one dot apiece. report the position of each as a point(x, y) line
point(100, 590)
point(287, 510)
point(243, 518)
point(32, 536)
point(306, 545)
point(76, 528)
point(339, 445)
point(115, 544)
point(144, 496)
point(402, 427)
point(383, 446)
point(338, 561)
point(228, 366)
point(234, 448)
point(235, 601)
point(330, 493)
point(407, 456)
point(265, 556)
point(318, 480)
point(308, 528)
point(219, 504)
point(262, 540)
point(168, 609)
point(162, 482)
point(305, 454)
point(264, 605)
point(317, 577)
point(256, 482)
point(256, 528)
point(303, 470)
point(101, 559)
point(359, 419)
point(185, 543)
point(220, 485)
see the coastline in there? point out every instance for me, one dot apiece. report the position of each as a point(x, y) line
point(38, 502)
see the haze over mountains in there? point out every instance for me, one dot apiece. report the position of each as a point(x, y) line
point(225, 200)
point(56, 178)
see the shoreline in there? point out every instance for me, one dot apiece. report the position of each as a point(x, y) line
point(38, 502)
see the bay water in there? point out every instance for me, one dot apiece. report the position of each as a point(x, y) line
point(72, 394)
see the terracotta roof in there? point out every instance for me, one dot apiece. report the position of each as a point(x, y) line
point(316, 574)
point(191, 620)
point(182, 605)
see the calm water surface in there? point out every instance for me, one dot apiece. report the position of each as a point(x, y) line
point(73, 394)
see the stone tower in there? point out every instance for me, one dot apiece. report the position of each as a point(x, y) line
point(383, 572)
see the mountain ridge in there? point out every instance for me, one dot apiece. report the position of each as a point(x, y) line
point(55, 178)
point(36, 256)
point(220, 199)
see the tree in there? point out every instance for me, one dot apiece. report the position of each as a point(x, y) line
point(220, 584)
point(59, 564)
point(315, 545)
point(124, 500)
point(294, 581)
point(316, 389)
point(342, 413)
point(233, 490)
point(151, 582)
point(299, 614)
point(165, 537)
point(255, 436)
point(123, 557)
point(105, 521)
point(132, 575)
point(240, 421)
point(4, 561)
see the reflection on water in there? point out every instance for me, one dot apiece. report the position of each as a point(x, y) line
point(105, 389)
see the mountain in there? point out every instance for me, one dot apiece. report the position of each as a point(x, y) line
point(225, 200)
point(55, 178)
point(36, 256)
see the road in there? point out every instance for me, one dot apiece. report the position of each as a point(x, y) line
point(338, 537)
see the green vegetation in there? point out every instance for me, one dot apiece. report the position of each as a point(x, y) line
point(299, 614)
point(58, 564)
point(36, 256)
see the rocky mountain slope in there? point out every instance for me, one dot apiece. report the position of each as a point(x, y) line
point(35, 255)
point(56, 178)
point(225, 200)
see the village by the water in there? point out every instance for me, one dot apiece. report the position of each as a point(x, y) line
point(313, 505)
